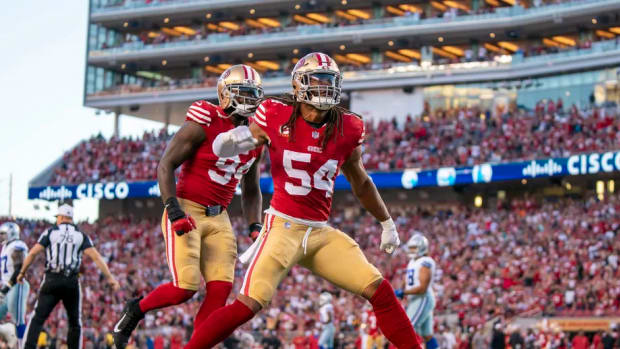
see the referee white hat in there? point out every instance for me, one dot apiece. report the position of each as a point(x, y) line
point(65, 210)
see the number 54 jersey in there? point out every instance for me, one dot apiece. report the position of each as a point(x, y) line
point(206, 178)
point(303, 171)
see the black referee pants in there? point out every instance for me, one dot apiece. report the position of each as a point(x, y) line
point(56, 288)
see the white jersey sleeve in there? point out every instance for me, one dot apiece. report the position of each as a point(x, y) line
point(7, 267)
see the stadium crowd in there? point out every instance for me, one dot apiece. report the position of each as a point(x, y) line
point(523, 257)
point(453, 137)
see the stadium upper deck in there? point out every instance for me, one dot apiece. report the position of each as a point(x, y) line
point(174, 49)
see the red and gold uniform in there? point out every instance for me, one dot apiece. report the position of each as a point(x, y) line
point(374, 338)
point(295, 230)
point(206, 182)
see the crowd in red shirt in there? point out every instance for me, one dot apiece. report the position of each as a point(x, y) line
point(523, 258)
point(455, 137)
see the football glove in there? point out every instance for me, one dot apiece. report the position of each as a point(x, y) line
point(389, 237)
point(254, 230)
point(181, 223)
point(399, 293)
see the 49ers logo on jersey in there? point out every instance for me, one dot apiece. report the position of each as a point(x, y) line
point(284, 131)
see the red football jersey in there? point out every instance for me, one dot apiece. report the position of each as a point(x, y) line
point(303, 173)
point(206, 178)
point(371, 324)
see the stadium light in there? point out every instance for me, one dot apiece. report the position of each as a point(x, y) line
point(252, 11)
point(611, 186)
point(208, 15)
point(343, 47)
point(343, 14)
point(126, 24)
point(410, 53)
point(594, 21)
point(207, 58)
point(492, 35)
point(393, 10)
point(295, 51)
point(390, 43)
point(297, 6)
point(440, 39)
point(478, 201)
point(167, 20)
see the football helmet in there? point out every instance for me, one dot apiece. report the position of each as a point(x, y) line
point(417, 246)
point(10, 230)
point(325, 298)
point(239, 88)
point(317, 81)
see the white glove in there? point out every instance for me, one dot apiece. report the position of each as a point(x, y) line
point(234, 142)
point(389, 237)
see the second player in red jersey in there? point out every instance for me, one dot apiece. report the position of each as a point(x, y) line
point(200, 242)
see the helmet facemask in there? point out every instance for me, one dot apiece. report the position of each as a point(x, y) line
point(318, 88)
point(243, 98)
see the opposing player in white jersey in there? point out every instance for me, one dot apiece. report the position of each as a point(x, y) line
point(14, 295)
point(326, 314)
point(419, 289)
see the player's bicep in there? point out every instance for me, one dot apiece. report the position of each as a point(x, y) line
point(259, 134)
point(183, 144)
point(353, 168)
point(425, 277)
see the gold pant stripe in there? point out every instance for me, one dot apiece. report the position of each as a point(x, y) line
point(170, 249)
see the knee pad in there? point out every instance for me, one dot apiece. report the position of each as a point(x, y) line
point(262, 292)
point(189, 277)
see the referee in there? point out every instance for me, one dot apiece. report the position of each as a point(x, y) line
point(63, 245)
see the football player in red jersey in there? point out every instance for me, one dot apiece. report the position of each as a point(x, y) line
point(197, 231)
point(310, 139)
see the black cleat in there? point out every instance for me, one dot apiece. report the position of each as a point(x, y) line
point(130, 317)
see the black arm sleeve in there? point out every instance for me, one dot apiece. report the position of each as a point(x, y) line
point(44, 239)
point(86, 243)
point(17, 268)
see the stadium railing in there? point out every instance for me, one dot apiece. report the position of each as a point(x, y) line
point(432, 25)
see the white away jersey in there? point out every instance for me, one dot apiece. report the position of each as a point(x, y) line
point(6, 261)
point(327, 313)
point(413, 272)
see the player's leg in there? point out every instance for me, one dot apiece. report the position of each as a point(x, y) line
point(425, 325)
point(43, 307)
point(72, 300)
point(217, 263)
point(183, 259)
point(278, 251)
point(334, 257)
point(17, 299)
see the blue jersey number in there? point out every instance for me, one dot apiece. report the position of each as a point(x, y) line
point(410, 277)
point(4, 269)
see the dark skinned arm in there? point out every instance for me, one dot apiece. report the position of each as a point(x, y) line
point(363, 187)
point(182, 146)
point(251, 196)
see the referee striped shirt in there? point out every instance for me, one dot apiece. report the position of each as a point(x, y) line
point(64, 245)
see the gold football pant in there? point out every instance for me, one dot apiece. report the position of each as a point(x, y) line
point(209, 250)
point(327, 252)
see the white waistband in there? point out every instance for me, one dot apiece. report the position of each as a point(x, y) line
point(313, 224)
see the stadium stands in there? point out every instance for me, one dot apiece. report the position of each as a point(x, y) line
point(461, 136)
point(525, 257)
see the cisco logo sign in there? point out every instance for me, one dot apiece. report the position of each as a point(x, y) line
point(50, 193)
point(593, 163)
point(108, 191)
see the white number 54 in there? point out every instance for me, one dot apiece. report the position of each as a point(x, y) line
point(323, 178)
